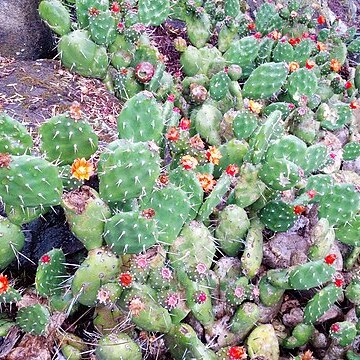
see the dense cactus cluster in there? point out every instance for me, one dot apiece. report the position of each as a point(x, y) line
point(210, 166)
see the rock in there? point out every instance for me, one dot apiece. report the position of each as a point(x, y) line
point(33, 91)
point(48, 232)
point(23, 35)
point(278, 252)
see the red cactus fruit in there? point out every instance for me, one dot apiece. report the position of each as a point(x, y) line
point(144, 72)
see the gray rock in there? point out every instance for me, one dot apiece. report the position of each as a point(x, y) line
point(23, 35)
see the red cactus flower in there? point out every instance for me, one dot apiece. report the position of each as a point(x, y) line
point(237, 353)
point(171, 98)
point(339, 282)
point(309, 64)
point(321, 20)
point(294, 41)
point(125, 279)
point(232, 170)
point(115, 7)
point(189, 162)
point(120, 26)
point(335, 328)
point(177, 110)
point(173, 134)
point(45, 259)
point(4, 283)
point(330, 259)
point(251, 26)
point(257, 35)
point(299, 209)
point(200, 298)
point(332, 155)
point(185, 124)
point(354, 105)
point(311, 193)
point(348, 85)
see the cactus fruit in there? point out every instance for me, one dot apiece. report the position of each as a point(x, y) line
point(86, 215)
point(232, 227)
point(262, 341)
point(117, 346)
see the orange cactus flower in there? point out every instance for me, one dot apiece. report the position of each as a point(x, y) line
point(213, 155)
point(189, 162)
point(173, 134)
point(320, 46)
point(299, 209)
point(293, 66)
point(75, 111)
point(255, 107)
point(196, 142)
point(82, 169)
point(207, 182)
point(4, 283)
point(335, 65)
point(321, 20)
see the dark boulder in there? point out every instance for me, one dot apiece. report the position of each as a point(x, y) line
point(23, 34)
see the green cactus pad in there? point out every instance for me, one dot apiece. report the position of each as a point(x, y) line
point(127, 170)
point(242, 52)
point(33, 319)
point(86, 214)
point(130, 233)
point(244, 124)
point(117, 346)
point(56, 16)
point(302, 82)
point(64, 140)
point(141, 119)
point(280, 174)
point(51, 272)
point(278, 216)
point(232, 227)
point(321, 302)
point(30, 181)
point(14, 138)
point(351, 151)
point(340, 204)
point(349, 233)
point(265, 81)
point(171, 207)
point(310, 275)
point(263, 341)
point(12, 241)
point(80, 54)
